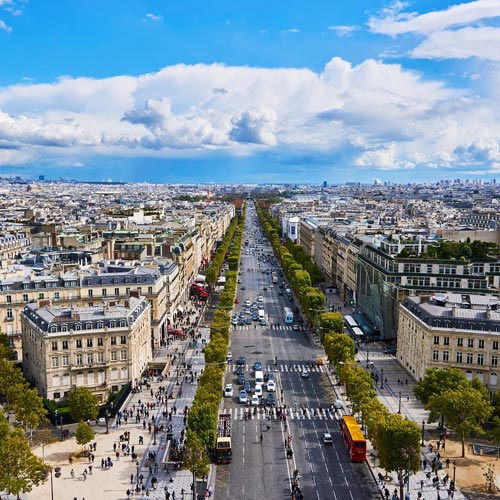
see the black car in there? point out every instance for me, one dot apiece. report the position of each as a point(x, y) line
point(241, 361)
point(240, 370)
point(270, 399)
point(241, 379)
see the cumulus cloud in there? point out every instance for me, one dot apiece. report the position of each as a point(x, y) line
point(372, 113)
point(255, 126)
point(153, 17)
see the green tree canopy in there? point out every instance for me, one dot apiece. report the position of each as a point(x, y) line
point(83, 404)
point(339, 348)
point(84, 433)
point(465, 409)
point(196, 458)
point(332, 322)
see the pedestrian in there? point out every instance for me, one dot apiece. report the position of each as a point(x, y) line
point(131, 479)
point(90, 470)
point(72, 474)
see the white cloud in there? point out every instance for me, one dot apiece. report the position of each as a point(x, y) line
point(343, 30)
point(294, 30)
point(5, 27)
point(255, 126)
point(467, 42)
point(154, 17)
point(373, 113)
point(393, 21)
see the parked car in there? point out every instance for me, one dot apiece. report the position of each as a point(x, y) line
point(247, 386)
point(390, 350)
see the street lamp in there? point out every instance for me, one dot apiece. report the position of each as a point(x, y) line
point(154, 435)
point(454, 471)
point(137, 472)
point(382, 374)
point(399, 409)
point(423, 431)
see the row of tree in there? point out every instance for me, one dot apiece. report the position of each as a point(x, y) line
point(312, 300)
point(396, 439)
point(203, 416)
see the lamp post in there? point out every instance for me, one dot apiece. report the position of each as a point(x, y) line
point(367, 357)
point(106, 416)
point(61, 424)
point(137, 472)
point(51, 486)
point(399, 408)
point(382, 375)
point(454, 472)
point(154, 435)
point(423, 432)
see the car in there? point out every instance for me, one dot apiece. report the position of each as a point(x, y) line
point(258, 390)
point(247, 386)
point(255, 401)
point(327, 438)
point(234, 321)
point(229, 357)
point(270, 376)
point(241, 379)
point(257, 366)
point(243, 397)
point(280, 292)
point(240, 370)
point(241, 361)
point(264, 288)
point(271, 386)
point(248, 321)
point(271, 399)
point(236, 301)
point(305, 374)
point(228, 391)
point(238, 280)
point(248, 303)
point(337, 404)
point(263, 322)
point(260, 307)
point(247, 311)
point(260, 298)
point(242, 287)
point(390, 350)
point(241, 321)
point(295, 327)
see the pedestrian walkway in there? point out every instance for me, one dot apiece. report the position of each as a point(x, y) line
point(134, 456)
point(261, 413)
point(395, 389)
point(287, 367)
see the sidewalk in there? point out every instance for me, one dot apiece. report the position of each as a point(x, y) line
point(125, 472)
point(395, 389)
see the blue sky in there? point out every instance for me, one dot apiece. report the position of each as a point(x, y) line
point(257, 91)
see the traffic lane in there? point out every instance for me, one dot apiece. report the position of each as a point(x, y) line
point(326, 469)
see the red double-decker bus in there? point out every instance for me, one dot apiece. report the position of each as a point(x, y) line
point(353, 439)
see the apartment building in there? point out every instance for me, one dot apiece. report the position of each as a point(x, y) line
point(450, 330)
point(99, 347)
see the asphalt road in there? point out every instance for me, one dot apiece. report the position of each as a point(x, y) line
point(261, 469)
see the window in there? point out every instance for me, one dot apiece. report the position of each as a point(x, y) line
point(123, 340)
point(480, 359)
point(9, 299)
point(446, 355)
point(79, 344)
point(481, 343)
point(64, 344)
point(65, 360)
point(55, 362)
point(113, 356)
point(100, 342)
point(41, 295)
point(54, 346)
point(10, 314)
point(460, 342)
point(57, 395)
point(494, 360)
point(435, 355)
point(104, 292)
point(470, 342)
point(459, 357)
point(79, 359)
point(91, 293)
point(436, 339)
point(90, 358)
point(469, 358)
point(25, 297)
point(446, 340)
point(100, 357)
point(495, 345)
point(57, 295)
point(123, 355)
point(90, 343)
point(117, 291)
point(127, 291)
point(113, 340)
point(150, 290)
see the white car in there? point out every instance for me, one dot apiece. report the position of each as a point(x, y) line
point(327, 438)
point(271, 386)
point(305, 374)
point(248, 303)
point(243, 397)
point(258, 390)
point(260, 298)
point(255, 401)
point(228, 391)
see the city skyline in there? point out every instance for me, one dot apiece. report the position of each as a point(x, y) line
point(128, 91)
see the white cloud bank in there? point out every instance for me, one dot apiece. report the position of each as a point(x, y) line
point(375, 115)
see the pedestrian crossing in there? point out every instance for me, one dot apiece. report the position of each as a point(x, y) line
point(260, 413)
point(285, 367)
point(256, 325)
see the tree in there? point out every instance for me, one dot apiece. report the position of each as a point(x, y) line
point(398, 440)
point(332, 322)
point(359, 385)
point(465, 409)
point(84, 433)
point(196, 457)
point(203, 422)
point(28, 408)
point(83, 405)
point(374, 414)
point(339, 348)
point(5, 350)
point(20, 470)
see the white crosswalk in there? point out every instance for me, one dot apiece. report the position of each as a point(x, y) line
point(255, 325)
point(259, 413)
point(291, 367)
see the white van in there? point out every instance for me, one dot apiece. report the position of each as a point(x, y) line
point(259, 377)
